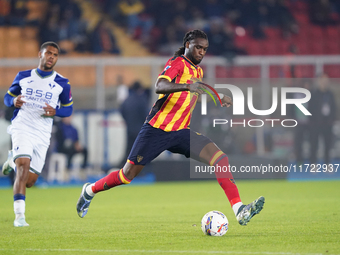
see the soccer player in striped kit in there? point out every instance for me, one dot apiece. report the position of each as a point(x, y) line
point(38, 95)
point(167, 128)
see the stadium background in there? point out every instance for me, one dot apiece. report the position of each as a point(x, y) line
point(262, 44)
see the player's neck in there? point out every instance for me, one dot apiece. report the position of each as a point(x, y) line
point(189, 60)
point(44, 73)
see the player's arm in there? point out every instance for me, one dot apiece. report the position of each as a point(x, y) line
point(164, 86)
point(63, 111)
point(226, 100)
point(13, 97)
point(10, 98)
point(66, 102)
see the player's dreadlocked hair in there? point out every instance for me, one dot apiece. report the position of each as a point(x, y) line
point(191, 35)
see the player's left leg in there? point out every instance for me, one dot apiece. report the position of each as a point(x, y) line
point(9, 165)
point(24, 179)
point(29, 155)
point(19, 190)
point(201, 148)
point(204, 150)
point(213, 156)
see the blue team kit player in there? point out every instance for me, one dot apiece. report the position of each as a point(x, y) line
point(38, 95)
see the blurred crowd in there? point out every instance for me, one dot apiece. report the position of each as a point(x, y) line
point(63, 23)
point(160, 24)
point(319, 126)
point(13, 12)
point(324, 12)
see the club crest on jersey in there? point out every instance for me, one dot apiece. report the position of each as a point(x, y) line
point(139, 158)
point(51, 85)
point(106, 187)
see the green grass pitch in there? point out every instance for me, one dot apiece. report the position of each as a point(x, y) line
point(164, 218)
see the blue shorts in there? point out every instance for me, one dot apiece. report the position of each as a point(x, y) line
point(151, 142)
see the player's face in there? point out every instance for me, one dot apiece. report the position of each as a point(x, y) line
point(197, 49)
point(48, 58)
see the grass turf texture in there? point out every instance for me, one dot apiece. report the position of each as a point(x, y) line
point(298, 217)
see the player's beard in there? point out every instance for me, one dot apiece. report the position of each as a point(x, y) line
point(194, 60)
point(198, 61)
point(48, 67)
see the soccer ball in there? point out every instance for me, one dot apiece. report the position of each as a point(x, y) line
point(214, 223)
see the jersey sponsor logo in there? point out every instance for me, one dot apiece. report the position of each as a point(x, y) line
point(51, 85)
point(30, 81)
point(35, 94)
point(166, 68)
point(139, 158)
point(16, 148)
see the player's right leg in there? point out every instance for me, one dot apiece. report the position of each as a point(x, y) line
point(149, 143)
point(116, 178)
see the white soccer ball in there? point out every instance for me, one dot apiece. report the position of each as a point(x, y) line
point(214, 223)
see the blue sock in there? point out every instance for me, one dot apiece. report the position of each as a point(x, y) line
point(19, 197)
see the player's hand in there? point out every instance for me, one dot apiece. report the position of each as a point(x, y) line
point(196, 88)
point(49, 110)
point(18, 101)
point(226, 101)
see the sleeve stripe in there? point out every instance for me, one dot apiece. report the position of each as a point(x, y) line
point(69, 104)
point(11, 94)
point(165, 77)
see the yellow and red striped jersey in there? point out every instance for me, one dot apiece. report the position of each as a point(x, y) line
point(172, 112)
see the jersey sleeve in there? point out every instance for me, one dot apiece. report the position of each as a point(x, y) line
point(15, 89)
point(66, 96)
point(172, 69)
